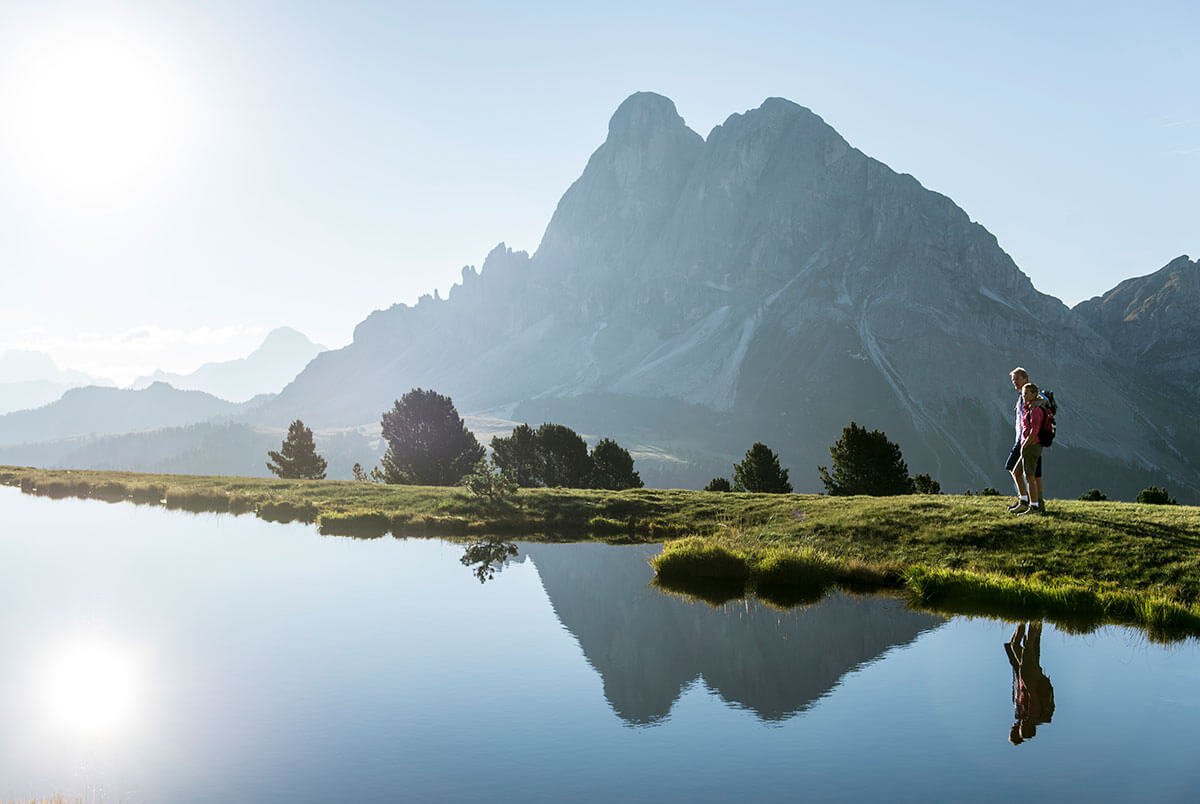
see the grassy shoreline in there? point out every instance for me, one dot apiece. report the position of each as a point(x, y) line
point(1085, 562)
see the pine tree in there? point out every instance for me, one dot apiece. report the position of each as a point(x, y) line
point(612, 467)
point(428, 443)
point(760, 472)
point(718, 484)
point(564, 457)
point(297, 457)
point(866, 463)
point(518, 457)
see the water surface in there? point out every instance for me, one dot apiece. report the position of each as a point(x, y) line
point(153, 655)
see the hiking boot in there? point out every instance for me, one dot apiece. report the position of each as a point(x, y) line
point(1036, 510)
point(1022, 508)
point(1013, 508)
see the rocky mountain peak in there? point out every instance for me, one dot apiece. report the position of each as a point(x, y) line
point(641, 115)
point(1154, 321)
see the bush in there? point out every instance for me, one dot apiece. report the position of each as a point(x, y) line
point(924, 484)
point(1093, 495)
point(490, 483)
point(718, 484)
point(1153, 495)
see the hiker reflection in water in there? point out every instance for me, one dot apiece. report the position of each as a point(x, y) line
point(1033, 695)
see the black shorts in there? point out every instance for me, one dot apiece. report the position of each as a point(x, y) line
point(1015, 456)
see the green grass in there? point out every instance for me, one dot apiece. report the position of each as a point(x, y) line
point(1091, 561)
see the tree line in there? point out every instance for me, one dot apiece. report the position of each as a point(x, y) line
point(428, 444)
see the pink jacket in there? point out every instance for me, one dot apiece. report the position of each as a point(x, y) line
point(1032, 422)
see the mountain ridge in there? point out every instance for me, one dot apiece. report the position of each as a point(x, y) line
point(282, 354)
point(746, 275)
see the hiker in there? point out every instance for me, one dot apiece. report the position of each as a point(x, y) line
point(1033, 418)
point(1020, 377)
point(1033, 694)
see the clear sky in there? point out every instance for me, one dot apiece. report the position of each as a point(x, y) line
point(178, 178)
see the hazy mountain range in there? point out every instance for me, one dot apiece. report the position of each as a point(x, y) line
point(770, 282)
point(29, 379)
point(280, 357)
point(102, 411)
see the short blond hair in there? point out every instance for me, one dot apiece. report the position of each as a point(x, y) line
point(1019, 371)
point(1028, 388)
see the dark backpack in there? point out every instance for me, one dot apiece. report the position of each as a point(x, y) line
point(1048, 431)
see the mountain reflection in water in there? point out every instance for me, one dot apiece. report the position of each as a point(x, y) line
point(648, 647)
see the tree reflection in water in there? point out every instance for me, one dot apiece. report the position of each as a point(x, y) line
point(487, 557)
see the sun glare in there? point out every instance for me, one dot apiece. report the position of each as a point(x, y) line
point(93, 115)
point(91, 687)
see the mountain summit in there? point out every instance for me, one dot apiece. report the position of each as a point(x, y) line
point(1154, 321)
point(767, 283)
point(278, 359)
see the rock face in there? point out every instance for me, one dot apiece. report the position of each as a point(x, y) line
point(280, 357)
point(767, 283)
point(1153, 322)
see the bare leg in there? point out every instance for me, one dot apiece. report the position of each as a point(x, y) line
point(1040, 498)
point(1018, 476)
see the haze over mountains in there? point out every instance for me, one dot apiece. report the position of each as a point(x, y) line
point(770, 282)
point(30, 379)
point(280, 357)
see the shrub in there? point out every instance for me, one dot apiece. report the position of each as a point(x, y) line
point(1093, 495)
point(718, 484)
point(490, 483)
point(924, 484)
point(1154, 495)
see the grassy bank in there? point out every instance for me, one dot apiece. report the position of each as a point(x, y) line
point(1097, 561)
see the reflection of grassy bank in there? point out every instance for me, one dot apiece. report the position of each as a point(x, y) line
point(717, 569)
point(1099, 561)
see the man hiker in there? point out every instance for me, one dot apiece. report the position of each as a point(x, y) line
point(1020, 377)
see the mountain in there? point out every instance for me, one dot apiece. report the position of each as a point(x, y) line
point(30, 379)
point(206, 448)
point(280, 357)
point(97, 411)
point(766, 283)
point(1153, 321)
point(648, 647)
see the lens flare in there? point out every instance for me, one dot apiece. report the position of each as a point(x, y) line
point(91, 686)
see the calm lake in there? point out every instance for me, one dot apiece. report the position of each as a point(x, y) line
point(154, 655)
